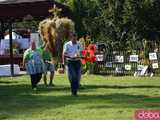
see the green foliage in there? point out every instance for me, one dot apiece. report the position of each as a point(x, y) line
point(84, 14)
point(89, 68)
point(118, 23)
point(32, 25)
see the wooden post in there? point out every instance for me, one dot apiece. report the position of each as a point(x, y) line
point(11, 48)
point(2, 30)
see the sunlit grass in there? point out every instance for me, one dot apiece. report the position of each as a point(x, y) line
point(100, 98)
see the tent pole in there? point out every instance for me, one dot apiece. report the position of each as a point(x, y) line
point(11, 48)
point(2, 30)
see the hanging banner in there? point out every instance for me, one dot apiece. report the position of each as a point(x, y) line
point(140, 67)
point(155, 65)
point(100, 58)
point(152, 56)
point(127, 67)
point(133, 58)
point(109, 64)
point(119, 59)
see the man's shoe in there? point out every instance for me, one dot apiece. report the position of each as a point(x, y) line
point(74, 94)
point(51, 84)
point(35, 89)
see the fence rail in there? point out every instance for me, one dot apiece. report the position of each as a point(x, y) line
point(127, 63)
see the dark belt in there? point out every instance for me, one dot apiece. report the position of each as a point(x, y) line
point(72, 61)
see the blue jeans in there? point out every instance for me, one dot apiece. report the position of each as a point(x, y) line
point(74, 75)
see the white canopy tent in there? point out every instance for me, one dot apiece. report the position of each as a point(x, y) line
point(14, 36)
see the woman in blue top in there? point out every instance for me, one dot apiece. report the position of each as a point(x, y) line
point(32, 59)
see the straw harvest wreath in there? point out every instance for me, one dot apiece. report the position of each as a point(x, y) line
point(55, 30)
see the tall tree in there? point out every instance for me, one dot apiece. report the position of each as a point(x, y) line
point(119, 23)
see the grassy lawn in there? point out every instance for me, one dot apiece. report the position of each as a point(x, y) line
point(102, 98)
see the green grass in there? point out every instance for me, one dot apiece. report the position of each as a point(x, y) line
point(102, 98)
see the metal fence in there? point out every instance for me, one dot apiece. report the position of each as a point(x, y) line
point(127, 63)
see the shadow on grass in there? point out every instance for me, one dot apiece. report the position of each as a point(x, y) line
point(8, 82)
point(20, 99)
point(118, 86)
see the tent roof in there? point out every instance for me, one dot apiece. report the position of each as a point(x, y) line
point(18, 1)
point(38, 9)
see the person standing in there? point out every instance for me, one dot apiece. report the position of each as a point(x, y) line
point(71, 53)
point(48, 66)
point(33, 62)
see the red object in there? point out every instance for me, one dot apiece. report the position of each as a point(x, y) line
point(83, 61)
point(89, 59)
point(94, 59)
point(91, 48)
point(84, 53)
point(88, 55)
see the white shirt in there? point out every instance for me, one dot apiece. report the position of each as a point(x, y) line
point(72, 49)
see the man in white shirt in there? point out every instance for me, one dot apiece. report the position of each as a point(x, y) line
point(71, 53)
